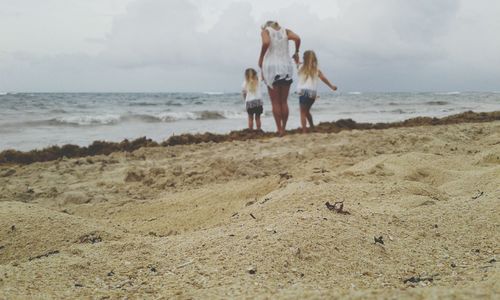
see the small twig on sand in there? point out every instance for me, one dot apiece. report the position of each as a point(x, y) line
point(185, 264)
point(379, 239)
point(251, 215)
point(44, 255)
point(417, 279)
point(479, 194)
point(337, 207)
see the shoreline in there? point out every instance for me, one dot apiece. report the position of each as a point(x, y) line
point(52, 153)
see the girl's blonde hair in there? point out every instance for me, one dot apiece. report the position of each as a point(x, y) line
point(251, 79)
point(272, 24)
point(309, 67)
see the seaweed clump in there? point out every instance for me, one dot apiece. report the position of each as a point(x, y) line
point(72, 151)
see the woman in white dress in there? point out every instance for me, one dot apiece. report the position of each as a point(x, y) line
point(277, 68)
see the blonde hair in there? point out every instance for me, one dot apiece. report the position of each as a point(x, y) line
point(272, 24)
point(310, 66)
point(251, 79)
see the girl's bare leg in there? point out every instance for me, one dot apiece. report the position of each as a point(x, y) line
point(275, 102)
point(250, 121)
point(303, 118)
point(310, 118)
point(257, 121)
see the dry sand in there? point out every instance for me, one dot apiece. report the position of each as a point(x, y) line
point(196, 221)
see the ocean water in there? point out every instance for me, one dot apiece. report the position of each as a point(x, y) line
point(37, 120)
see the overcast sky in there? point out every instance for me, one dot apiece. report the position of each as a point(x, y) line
point(205, 45)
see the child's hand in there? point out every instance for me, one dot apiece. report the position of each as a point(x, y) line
point(334, 88)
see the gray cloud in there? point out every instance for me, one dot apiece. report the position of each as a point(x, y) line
point(383, 45)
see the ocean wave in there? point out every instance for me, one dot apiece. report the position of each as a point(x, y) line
point(213, 93)
point(143, 104)
point(58, 111)
point(86, 120)
point(354, 93)
point(436, 103)
point(111, 119)
point(397, 111)
point(200, 115)
point(173, 103)
point(447, 93)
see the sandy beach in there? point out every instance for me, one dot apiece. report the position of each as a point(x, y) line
point(247, 219)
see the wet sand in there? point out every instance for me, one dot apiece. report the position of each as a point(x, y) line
point(247, 219)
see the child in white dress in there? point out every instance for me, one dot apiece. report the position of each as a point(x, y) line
point(253, 98)
point(307, 87)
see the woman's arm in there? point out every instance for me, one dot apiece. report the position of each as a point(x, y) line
point(294, 37)
point(266, 41)
point(326, 81)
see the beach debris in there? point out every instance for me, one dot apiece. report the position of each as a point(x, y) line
point(252, 270)
point(492, 261)
point(453, 265)
point(91, 238)
point(1, 247)
point(479, 194)
point(234, 215)
point(250, 203)
point(152, 268)
point(417, 279)
point(320, 170)
point(379, 240)
point(13, 228)
point(285, 175)
point(185, 264)
point(337, 207)
point(111, 273)
point(251, 215)
point(44, 255)
point(271, 230)
point(265, 200)
point(78, 285)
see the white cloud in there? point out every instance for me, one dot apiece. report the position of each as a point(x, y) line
point(178, 45)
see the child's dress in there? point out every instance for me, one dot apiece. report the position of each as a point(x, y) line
point(307, 89)
point(253, 100)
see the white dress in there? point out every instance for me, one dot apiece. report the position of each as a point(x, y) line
point(277, 62)
point(252, 99)
point(311, 83)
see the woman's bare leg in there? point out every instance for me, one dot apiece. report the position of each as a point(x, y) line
point(276, 104)
point(250, 121)
point(283, 94)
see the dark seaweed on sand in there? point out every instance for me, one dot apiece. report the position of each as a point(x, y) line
point(105, 148)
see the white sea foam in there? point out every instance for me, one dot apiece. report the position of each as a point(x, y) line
point(447, 93)
point(107, 119)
